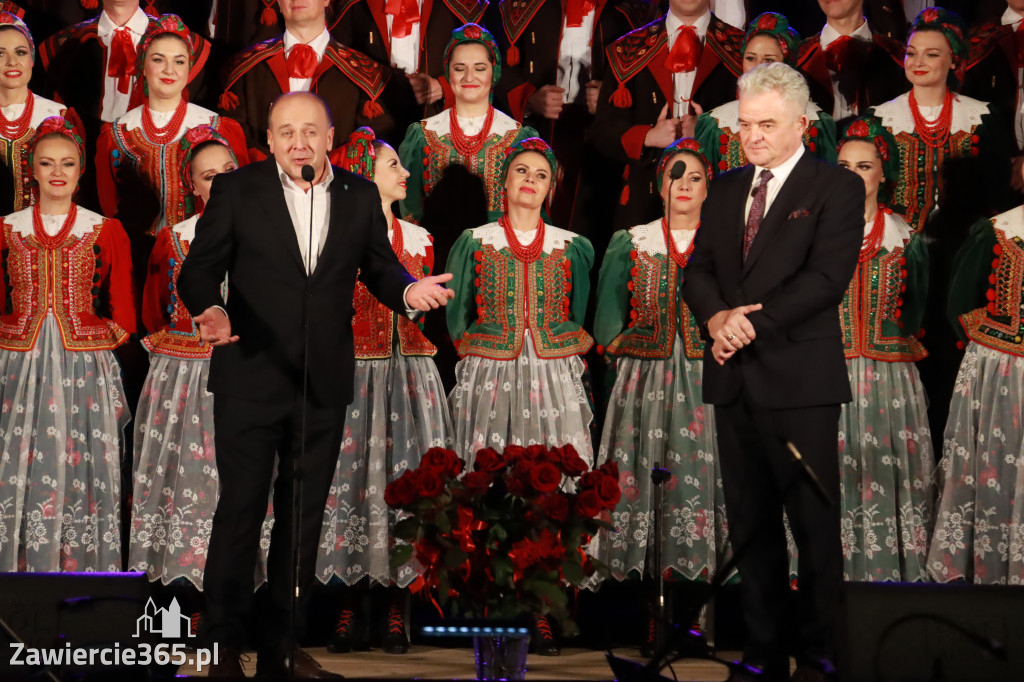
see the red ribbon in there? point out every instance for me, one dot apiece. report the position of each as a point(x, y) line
point(685, 52)
point(837, 54)
point(122, 59)
point(405, 13)
point(302, 61)
point(467, 526)
point(575, 10)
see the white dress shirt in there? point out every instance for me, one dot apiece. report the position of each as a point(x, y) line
point(319, 45)
point(115, 104)
point(574, 56)
point(842, 108)
point(297, 198)
point(732, 12)
point(405, 52)
point(779, 175)
point(1011, 18)
point(682, 82)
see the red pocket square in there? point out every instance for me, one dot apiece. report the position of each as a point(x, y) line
point(799, 213)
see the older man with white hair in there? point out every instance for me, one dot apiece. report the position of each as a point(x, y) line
point(781, 241)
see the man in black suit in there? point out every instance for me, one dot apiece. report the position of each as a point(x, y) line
point(255, 230)
point(780, 242)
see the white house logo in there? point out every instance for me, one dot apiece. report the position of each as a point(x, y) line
point(169, 623)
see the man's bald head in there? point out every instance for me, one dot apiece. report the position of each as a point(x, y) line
point(300, 132)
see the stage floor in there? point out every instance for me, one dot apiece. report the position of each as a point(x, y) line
point(439, 663)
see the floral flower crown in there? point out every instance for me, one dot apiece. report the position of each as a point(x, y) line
point(60, 126)
point(357, 155)
point(777, 26)
point(871, 130)
point(473, 33)
point(949, 23)
point(192, 138)
point(530, 144)
point(683, 144)
point(8, 19)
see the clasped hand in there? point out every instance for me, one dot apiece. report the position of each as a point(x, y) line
point(730, 331)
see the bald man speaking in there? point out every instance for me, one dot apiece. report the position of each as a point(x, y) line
point(256, 231)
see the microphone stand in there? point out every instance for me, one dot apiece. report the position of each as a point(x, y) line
point(308, 175)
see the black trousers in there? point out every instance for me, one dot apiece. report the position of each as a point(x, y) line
point(248, 437)
point(760, 479)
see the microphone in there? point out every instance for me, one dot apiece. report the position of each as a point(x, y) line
point(677, 170)
point(308, 173)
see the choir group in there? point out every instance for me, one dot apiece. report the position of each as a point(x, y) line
point(485, 126)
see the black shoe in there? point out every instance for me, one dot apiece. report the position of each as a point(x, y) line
point(746, 671)
point(271, 668)
point(395, 640)
point(344, 637)
point(543, 640)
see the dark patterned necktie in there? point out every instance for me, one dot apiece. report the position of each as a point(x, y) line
point(756, 211)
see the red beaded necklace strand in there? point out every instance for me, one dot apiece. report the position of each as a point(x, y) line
point(48, 241)
point(166, 134)
point(397, 238)
point(530, 252)
point(680, 258)
point(933, 134)
point(873, 239)
point(16, 129)
point(467, 145)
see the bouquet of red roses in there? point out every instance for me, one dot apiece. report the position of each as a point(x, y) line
point(506, 539)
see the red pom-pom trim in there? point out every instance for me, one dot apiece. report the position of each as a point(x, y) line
point(621, 97)
point(371, 109)
point(268, 17)
point(228, 101)
point(512, 56)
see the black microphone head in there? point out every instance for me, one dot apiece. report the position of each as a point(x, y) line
point(308, 173)
point(678, 168)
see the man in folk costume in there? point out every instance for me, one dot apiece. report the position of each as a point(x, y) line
point(307, 59)
point(554, 53)
point(660, 78)
point(409, 36)
point(995, 72)
point(848, 65)
point(237, 24)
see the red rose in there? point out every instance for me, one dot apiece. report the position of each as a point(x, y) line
point(477, 482)
point(555, 507)
point(929, 15)
point(588, 504)
point(545, 477)
point(488, 460)
point(571, 462)
point(590, 479)
point(536, 453)
point(401, 491)
point(515, 486)
point(610, 468)
point(513, 453)
point(473, 32)
point(609, 492)
point(429, 483)
point(766, 23)
point(442, 461)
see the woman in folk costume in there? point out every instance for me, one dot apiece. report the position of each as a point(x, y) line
point(655, 413)
point(137, 155)
point(934, 125)
point(21, 112)
point(979, 529)
point(471, 132)
point(67, 304)
point(769, 38)
point(521, 289)
point(175, 473)
point(885, 445)
point(398, 413)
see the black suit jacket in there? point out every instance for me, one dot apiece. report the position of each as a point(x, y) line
point(246, 232)
point(799, 267)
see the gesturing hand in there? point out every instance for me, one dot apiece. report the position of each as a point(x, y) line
point(427, 90)
point(731, 328)
point(547, 101)
point(428, 293)
point(593, 91)
point(215, 327)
